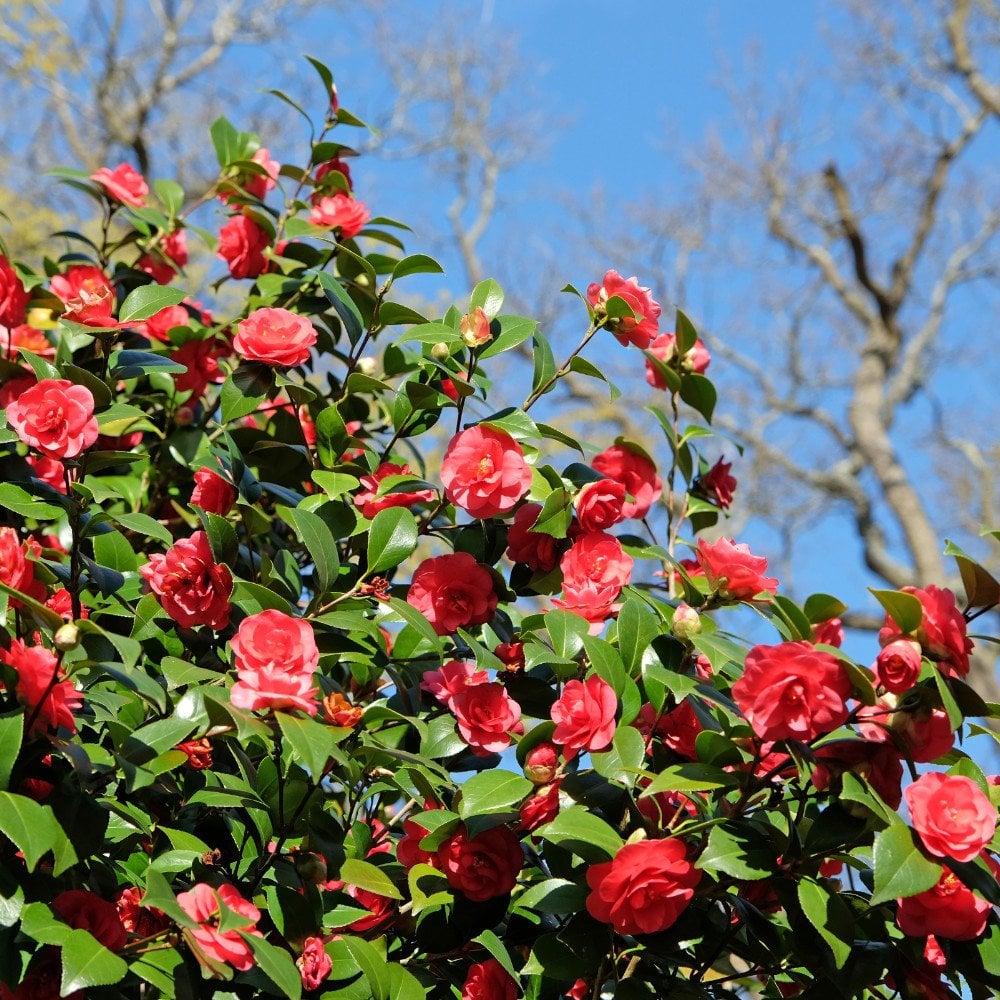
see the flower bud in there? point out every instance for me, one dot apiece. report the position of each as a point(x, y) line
point(687, 622)
point(542, 763)
point(475, 328)
point(310, 867)
point(183, 416)
point(67, 637)
point(367, 365)
point(440, 351)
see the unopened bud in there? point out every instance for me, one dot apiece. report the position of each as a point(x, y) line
point(367, 365)
point(475, 328)
point(542, 763)
point(440, 351)
point(687, 622)
point(67, 637)
point(183, 416)
point(310, 867)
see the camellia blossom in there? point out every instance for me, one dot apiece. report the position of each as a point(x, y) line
point(487, 715)
point(49, 470)
point(13, 295)
point(534, 548)
point(898, 664)
point(340, 211)
point(55, 416)
point(732, 570)
point(488, 980)
point(638, 330)
point(52, 704)
point(124, 184)
point(594, 571)
point(792, 691)
point(370, 503)
point(948, 909)
point(87, 911)
point(87, 294)
point(954, 817)
point(600, 505)
point(203, 903)
point(664, 348)
point(453, 591)
point(637, 473)
point(941, 633)
point(585, 715)
point(453, 677)
point(212, 493)
point(275, 336)
point(242, 243)
point(717, 485)
point(193, 589)
point(645, 888)
point(483, 866)
point(484, 471)
point(314, 963)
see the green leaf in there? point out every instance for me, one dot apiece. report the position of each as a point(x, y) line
point(132, 364)
point(229, 144)
point(545, 362)
point(345, 306)
point(554, 895)
point(160, 896)
point(391, 538)
point(322, 547)
point(982, 590)
point(496, 948)
point(171, 194)
point(566, 630)
point(737, 850)
point(556, 514)
point(404, 985)
point(690, 778)
point(698, 392)
point(904, 609)
point(365, 875)
point(622, 763)
point(606, 662)
point(11, 733)
point(514, 331)
point(122, 418)
point(148, 300)
point(637, 627)
point(901, 869)
point(793, 616)
point(409, 614)
point(488, 296)
point(145, 525)
point(30, 827)
point(822, 607)
point(493, 792)
point(417, 263)
point(277, 964)
point(313, 743)
point(583, 833)
point(685, 332)
point(829, 916)
point(331, 436)
point(395, 314)
point(86, 962)
point(372, 965)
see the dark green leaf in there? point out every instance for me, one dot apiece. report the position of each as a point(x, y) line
point(583, 833)
point(86, 962)
point(277, 964)
point(11, 732)
point(391, 538)
point(417, 263)
point(901, 869)
point(698, 392)
point(822, 607)
point(830, 916)
point(132, 364)
point(148, 300)
point(322, 547)
point(737, 850)
point(492, 792)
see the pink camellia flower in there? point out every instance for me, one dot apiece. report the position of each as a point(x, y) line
point(13, 295)
point(486, 716)
point(16, 569)
point(792, 691)
point(335, 165)
point(258, 185)
point(484, 472)
point(84, 910)
point(717, 485)
point(898, 664)
point(275, 337)
point(314, 963)
point(927, 735)
point(640, 329)
point(475, 328)
point(645, 888)
point(242, 243)
point(274, 639)
point(340, 211)
point(169, 255)
point(488, 980)
point(49, 470)
point(946, 910)
point(664, 349)
point(212, 493)
point(23, 337)
point(638, 474)
point(158, 326)
point(484, 866)
point(193, 589)
point(594, 571)
point(453, 591)
point(941, 633)
point(732, 570)
point(954, 817)
point(55, 416)
point(585, 716)
point(534, 548)
point(830, 632)
point(453, 678)
point(600, 505)
point(203, 903)
point(124, 184)
point(370, 503)
point(87, 294)
point(52, 705)
point(201, 358)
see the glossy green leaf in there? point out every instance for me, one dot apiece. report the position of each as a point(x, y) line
point(372, 965)
point(148, 300)
point(11, 733)
point(488, 296)
point(365, 875)
point(321, 545)
point(829, 916)
point(582, 833)
point(737, 850)
point(904, 609)
point(391, 538)
point(493, 792)
point(901, 869)
point(86, 962)
point(277, 964)
point(31, 827)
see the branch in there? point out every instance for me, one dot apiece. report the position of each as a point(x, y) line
point(956, 28)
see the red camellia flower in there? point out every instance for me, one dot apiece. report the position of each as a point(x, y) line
point(488, 981)
point(171, 250)
point(142, 921)
point(717, 485)
point(16, 569)
point(732, 570)
point(483, 866)
point(204, 904)
point(640, 329)
point(511, 654)
point(600, 505)
point(542, 763)
point(942, 630)
point(534, 548)
point(87, 911)
point(897, 666)
point(124, 184)
point(275, 337)
point(158, 326)
point(370, 503)
point(879, 764)
point(52, 705)
point(636, 472)
point(645, 888)
point(198, 753)
point(453, 591)
point(585, 715)
point(242, 243)
point(55, 416)
point(954, 818)
point(792, 691)
point(927, 735)
point(314, 963)
point(340, 211)
point(486, 715)
point(13, 340)
point(594, 571)
point(540, 808)
point(201, 358)
point(335, 165)
point(948, 909)
point(484, 472)
point(193, 589)
point(87, 295)
point(258, 185)
point(42, 981)
point(830, 632)
point(13, 295)
point(453, 678)
point(664, 349)
point(212, 493)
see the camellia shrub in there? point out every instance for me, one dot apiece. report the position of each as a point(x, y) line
point(333, 666)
